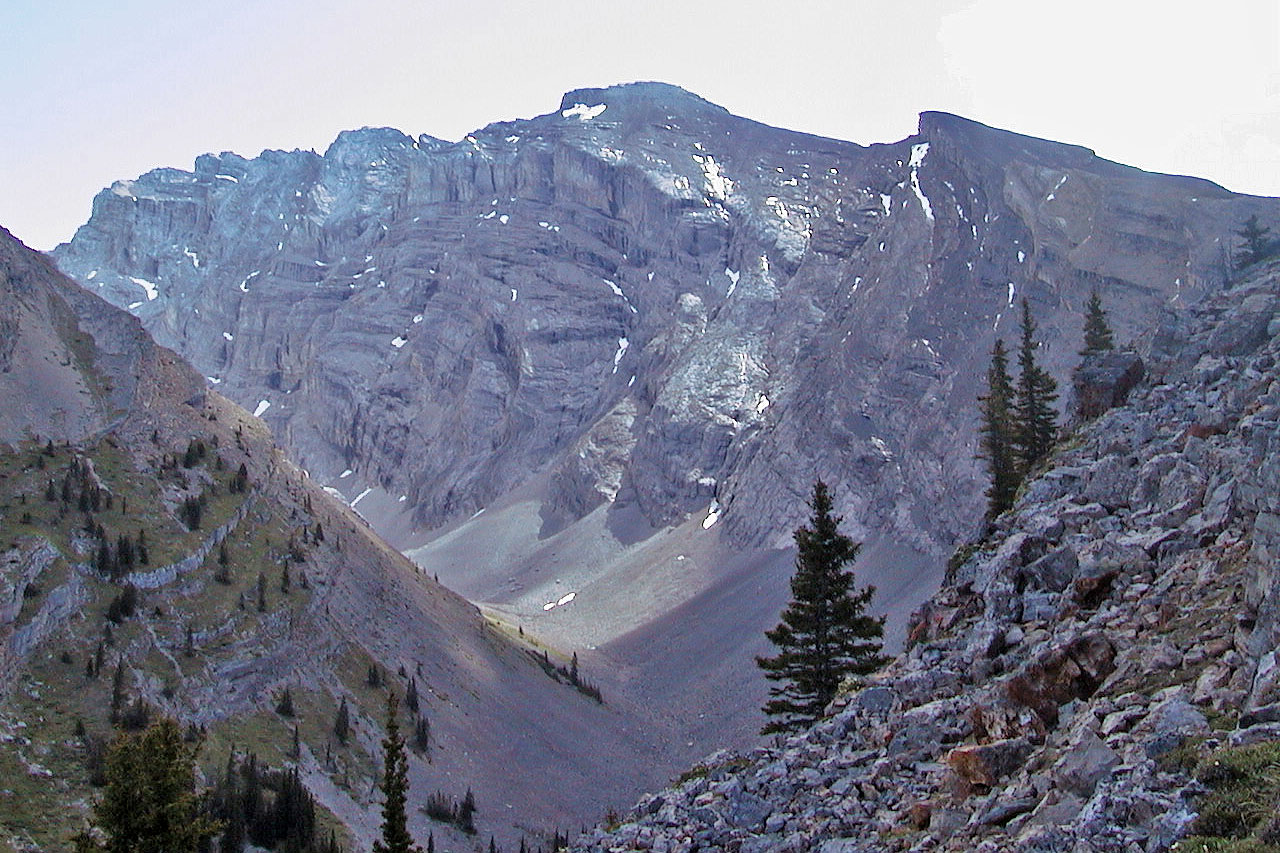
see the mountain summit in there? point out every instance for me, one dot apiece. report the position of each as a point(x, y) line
point(585, 366)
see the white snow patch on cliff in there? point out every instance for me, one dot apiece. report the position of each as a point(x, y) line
point(148, 286)
point(417, 318)
point(263, 405)
point(885, 201)
point(717, 184)
point(618, 291)
point(623, 343)
point(713, 514)
point(733, 276)
point(228, 336)
point(398, 341)
point(1011, 292)
point(92, 275)
point(583, 112)
point(232, 178)
point(918, 153)
point(244, 285)
point(361, 497)
point(514, 294)
point(345, 474)
point(1054, 192)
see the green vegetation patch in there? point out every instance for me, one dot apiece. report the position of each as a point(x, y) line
point(1240, 812)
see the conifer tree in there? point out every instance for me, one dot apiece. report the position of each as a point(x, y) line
point(150, 804)
point(1036, 422)
point(1255, 237)
point(824, 634)
point(342, 723)
point(1097, 332)
point(997, 433)
point(395, 788)
point(466, 813)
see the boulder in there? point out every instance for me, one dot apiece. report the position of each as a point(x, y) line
point(987, 763)
point(1086, 763)
point(1072, 670)
point(1104, 381)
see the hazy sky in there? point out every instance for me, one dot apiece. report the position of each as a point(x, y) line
point(98, 90)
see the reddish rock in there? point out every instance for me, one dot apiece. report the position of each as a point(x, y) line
point(987, 763)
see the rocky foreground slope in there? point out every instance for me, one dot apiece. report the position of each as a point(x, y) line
point(632, 332)
point(272, 586)
point(1116, 630)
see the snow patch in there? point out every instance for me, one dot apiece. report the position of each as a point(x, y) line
point(514, 294)
point(618, 292)
point(918, 153)
point(345, 474)
point(717, 184)
point(227, 336)
point(762, 403)
point(733, 276)
point(148, 286)
point(361, 497)
point(417, 318)
point(713, 514)
point(213, 380)
point(92, 275)
point(1054, 192)
point(244, 285)
point(1011, 292)
point(583, 112)
point(263, 405)
point(1022, 256)
point(885, 201)
point(232, 178)
point(504, 219)
point(623, 343)
point(133, 305)
point(398, 341)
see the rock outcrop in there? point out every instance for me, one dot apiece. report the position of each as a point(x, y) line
point(1055, 709)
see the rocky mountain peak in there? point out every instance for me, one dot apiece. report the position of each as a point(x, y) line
point(644, 101)
point(631, 341)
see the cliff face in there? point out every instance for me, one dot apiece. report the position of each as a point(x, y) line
point(278, 587)
point(1116, 631)
point(649, 298)
point(595, 359)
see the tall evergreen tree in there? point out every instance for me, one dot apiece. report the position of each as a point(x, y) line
point(342, 723)
point(1097, 332)
point(824, 635)
point(150, 803)
point(1256, 241)
point(997, 433)
point(395, 787)
point(1036, 422)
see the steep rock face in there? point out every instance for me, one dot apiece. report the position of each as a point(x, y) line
point(283, 588)
point(720, 309)
point(1114, 632)
point(609, 348)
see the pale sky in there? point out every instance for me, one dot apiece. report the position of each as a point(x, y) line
point(96, 91)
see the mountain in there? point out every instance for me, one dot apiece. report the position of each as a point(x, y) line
point(158, 548)
point(1098, 674)
point(585, 367)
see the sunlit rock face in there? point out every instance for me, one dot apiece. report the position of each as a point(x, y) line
point(651, 302)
